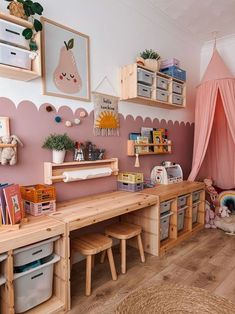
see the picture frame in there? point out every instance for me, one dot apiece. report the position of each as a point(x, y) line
point(66, 62)
point(4, 126)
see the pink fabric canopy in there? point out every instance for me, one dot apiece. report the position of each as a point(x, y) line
point(214, 140)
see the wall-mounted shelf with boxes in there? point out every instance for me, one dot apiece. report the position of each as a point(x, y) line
point(165, 148)
point(15, 61)
point(144, 86)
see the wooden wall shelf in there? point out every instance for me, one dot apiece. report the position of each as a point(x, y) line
point(131, 146)
point(54, 172)
point(15, 73)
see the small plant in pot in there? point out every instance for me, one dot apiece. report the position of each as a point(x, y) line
point(26, 9)
point(151, 58)
point(59, 144)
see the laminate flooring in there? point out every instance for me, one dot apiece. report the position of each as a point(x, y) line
point(206, 260)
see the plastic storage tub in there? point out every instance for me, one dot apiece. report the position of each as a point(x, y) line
point(33, 286)
point(177, 88)
point(131, 187)
point(180, 219)
point(12, 33)
point(177, 99)
point(143, 91)
point(162, 83)
point(144, 77)
point(195, 211)
point(169, 62)
point(31, 253)
point(37, 209)
point(131, 177)
point(38, 193)
point(196, 196)
point(182, 200)
point(15, 56)
point(164, 225)
point(2, 278)
point(165, 206)
point(175, 72)
point(162, 95)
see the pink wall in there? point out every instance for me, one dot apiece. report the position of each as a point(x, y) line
point(32, 126)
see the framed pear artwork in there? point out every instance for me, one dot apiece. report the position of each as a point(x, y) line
point(66, 68)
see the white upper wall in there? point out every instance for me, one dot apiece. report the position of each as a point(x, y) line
point(118, 31)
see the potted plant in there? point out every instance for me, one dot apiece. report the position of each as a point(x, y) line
point(151, 58)
point(25, 9)
point(59, 144)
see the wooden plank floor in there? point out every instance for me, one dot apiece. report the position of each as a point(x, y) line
point(206, 260)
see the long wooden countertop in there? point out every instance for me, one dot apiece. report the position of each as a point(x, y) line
point(166, 192)
point(90, 210)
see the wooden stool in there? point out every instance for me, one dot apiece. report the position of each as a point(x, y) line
point(124, 231)
point(89, 245)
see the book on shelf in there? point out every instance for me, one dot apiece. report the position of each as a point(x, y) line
point(14, 203)
point(3, 211)
point(142, 149)
point(147, 132)
point(157, 139)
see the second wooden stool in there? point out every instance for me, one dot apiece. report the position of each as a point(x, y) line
point(89, 245)
point(124, 231)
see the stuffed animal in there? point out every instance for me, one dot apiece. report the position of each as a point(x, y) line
point(211, 193)
point(210, 217)
point(224, 211)
point(8, 155)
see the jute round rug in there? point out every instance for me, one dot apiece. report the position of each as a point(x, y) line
point(169, 298)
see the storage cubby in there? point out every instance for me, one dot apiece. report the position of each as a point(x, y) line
point(144, 86)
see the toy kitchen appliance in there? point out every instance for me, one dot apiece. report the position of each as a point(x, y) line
point(166, 174)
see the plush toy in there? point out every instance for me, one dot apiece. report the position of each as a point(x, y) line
point(8, 155)
point(210, 217)
point(224, 211)
point(211, 193)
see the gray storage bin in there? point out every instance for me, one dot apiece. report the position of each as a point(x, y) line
point(196, 196)
point(164, 225)
point(177, 88)
point(131, 187)
point(177, 99)
point(180, 219)
point(162, 83)
point(182, 200)
point(2, 278)
point(162, 95)
point(144, 91)
point(195, 211)
point(144, 77)
point(165, 206)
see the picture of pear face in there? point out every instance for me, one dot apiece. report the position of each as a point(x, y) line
point(66, 76)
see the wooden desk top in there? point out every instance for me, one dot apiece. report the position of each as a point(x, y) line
point(92, 209)
point(36, 229)
point(169, 191)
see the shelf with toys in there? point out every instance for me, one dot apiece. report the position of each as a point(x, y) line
point(158, 148)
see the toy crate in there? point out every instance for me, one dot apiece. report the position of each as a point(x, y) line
point(175, 72)
point(180, 219)
point(131, 187)
point(164, 225)
point(37, 209)
point(38, 193)
point(131, 177)
point(169, 62)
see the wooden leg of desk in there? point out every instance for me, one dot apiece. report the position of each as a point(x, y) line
point(123, 256)
point(88, 274)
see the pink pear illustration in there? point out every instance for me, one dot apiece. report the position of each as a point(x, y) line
point(66, 76)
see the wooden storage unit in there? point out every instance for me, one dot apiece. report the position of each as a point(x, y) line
point(131, 145)
point(18, 73)
point(131, 93)
point(37, 229)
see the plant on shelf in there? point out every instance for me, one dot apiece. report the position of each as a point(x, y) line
point(25, 9)
point(59, 144)
point(150, 59)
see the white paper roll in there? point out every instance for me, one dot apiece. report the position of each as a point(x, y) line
point(70, 176)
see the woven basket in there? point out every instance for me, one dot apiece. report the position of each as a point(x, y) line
point(17, 9)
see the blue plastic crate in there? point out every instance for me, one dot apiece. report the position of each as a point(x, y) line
point(175, 72)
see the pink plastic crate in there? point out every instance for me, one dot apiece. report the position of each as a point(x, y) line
point(169, 62)
point(37, 209)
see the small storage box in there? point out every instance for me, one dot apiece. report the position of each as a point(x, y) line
point(175, 72)
point(162, 83)
point(38, 193)
point(195, 211)
point(37, 209)
point(131, 187)
point(164, 225)
point(131, 177)
point(33, 286)
point(196, 196)
point(177, 99)
point(180, 219)
point(144, 77)
point(15, 56)
point(177, 88)
point(182, 200)
point(162, 95)
point(12, 33)
point(144, 91)
point(2, 278)
point(169, 62)
point(165, 206)
point(31, 253)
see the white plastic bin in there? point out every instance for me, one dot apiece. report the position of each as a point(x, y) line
point(162, 95)
point(164, 225)
point(195, 212)
point(177, 99)
point(12, 33)
point(182, 201)
point(144, 76)
point(165, 206)
point(31, 253)
point(180, 219)
point(196, 196)
point(143, 90)
point(177, 88)
point(33, 286)
point(2, 278)
point(15, 56)
point(162, 83)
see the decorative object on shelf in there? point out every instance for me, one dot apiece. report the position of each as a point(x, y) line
point(25, 9)
point(59, 144)
point(65, 62)
point(8, 149)
point(58, 119)
point(79, 152)
point(151, 58)
point(4, 126)
point(93, 153)
point(68, 124)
